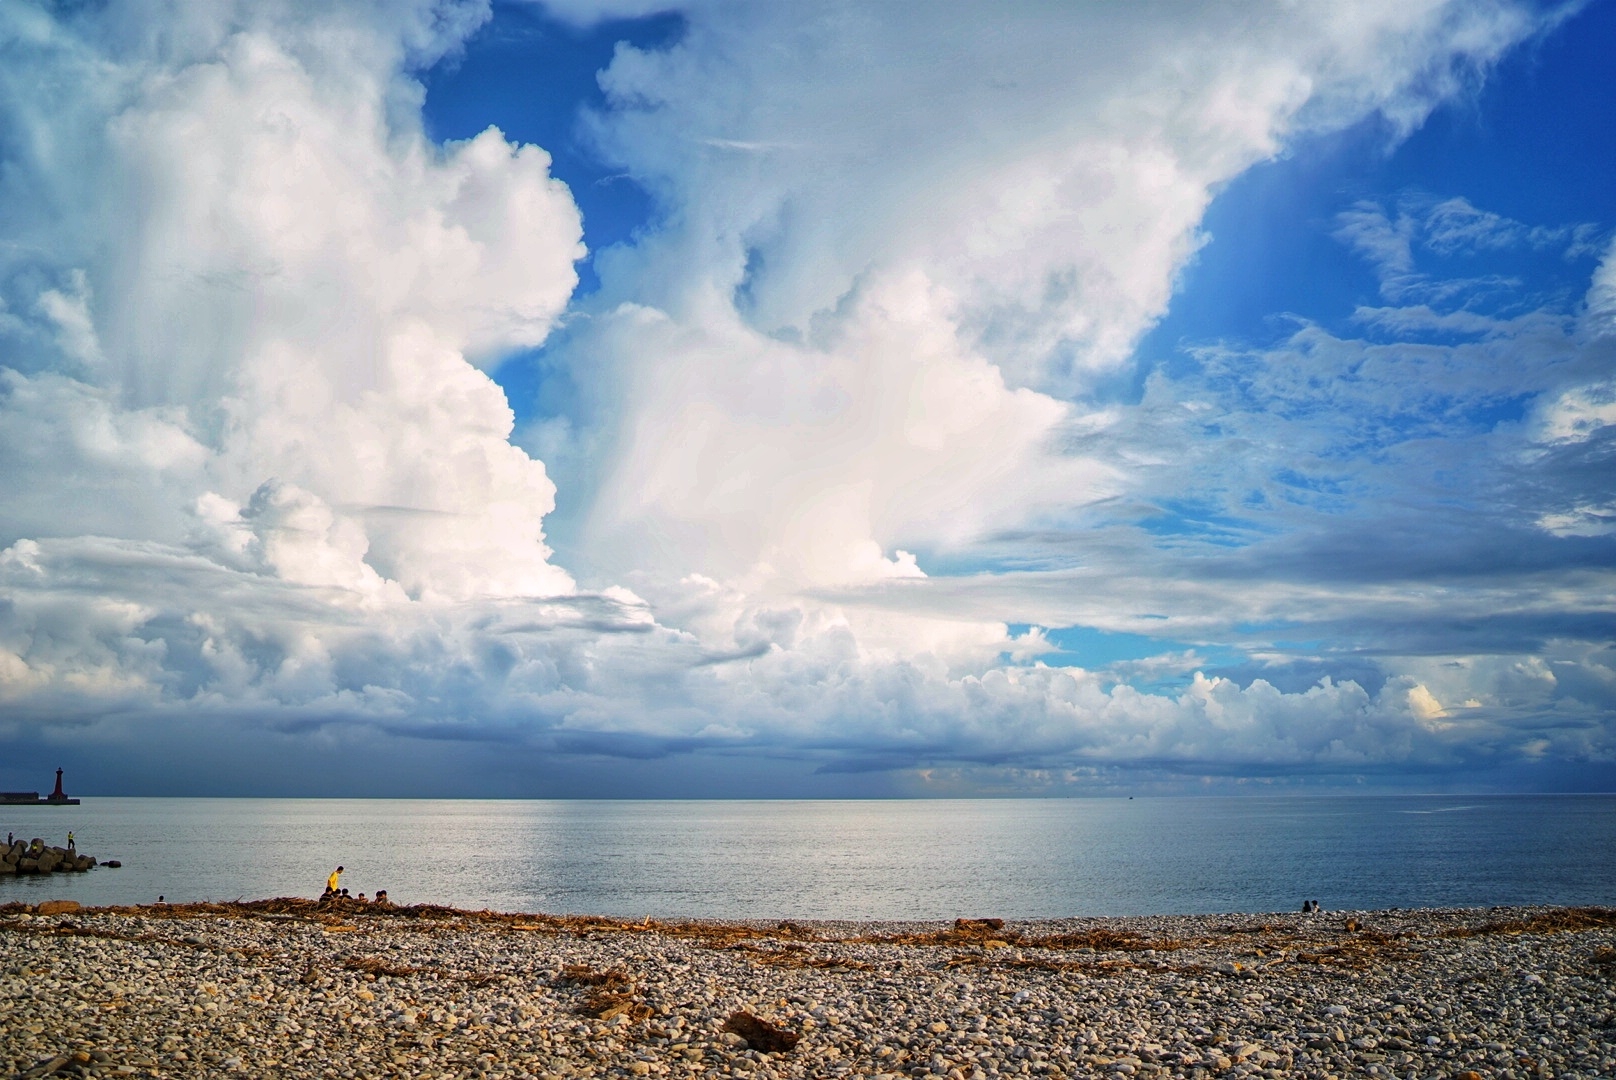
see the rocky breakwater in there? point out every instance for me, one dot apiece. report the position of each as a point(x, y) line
point(35, 857)
point(291, 989)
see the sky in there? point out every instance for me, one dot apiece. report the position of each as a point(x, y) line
point(622, 398)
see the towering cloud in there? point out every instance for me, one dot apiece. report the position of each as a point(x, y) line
point(248, 288)
point(899, 250)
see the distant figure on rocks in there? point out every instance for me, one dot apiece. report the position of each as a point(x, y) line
point(70, 846)
point(331, 882)
point(11, 838)
point(160, 901)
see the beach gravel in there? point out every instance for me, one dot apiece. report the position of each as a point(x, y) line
point(289, 988)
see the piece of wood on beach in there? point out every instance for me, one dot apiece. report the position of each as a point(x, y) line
point(761, 1035)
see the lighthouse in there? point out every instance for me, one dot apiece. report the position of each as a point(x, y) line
point(58, 797)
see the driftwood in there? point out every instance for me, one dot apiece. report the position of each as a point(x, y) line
point(761, 1035)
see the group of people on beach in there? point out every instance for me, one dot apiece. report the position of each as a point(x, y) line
point(335, 891)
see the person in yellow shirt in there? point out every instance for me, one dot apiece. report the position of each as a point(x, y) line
point(331, 882)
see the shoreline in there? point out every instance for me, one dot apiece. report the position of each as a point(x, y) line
point(290, 987)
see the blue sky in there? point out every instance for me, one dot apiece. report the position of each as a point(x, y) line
point(531, 75)
point(619, 399)
point(1529, 142)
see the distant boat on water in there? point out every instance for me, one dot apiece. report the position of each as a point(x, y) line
point(31, 798)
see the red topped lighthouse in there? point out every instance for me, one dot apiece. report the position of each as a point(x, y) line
point(31, 798)
point(58, 796)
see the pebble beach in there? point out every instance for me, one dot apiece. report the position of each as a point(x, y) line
point(292, 988)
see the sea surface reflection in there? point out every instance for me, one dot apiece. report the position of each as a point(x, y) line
point(918, 859)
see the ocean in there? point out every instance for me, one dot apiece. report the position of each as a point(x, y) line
point(889, 859)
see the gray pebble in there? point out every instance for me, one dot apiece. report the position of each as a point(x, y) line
point(239, 994)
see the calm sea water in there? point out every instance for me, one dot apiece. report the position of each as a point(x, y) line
point(861, 860)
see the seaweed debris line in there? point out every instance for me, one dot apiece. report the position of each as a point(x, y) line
point(31, 798)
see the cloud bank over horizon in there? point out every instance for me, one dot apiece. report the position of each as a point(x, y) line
point(855, 469)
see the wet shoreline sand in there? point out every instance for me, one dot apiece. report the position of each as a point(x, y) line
point(293, 988)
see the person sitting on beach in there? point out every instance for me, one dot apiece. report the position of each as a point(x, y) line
point(362, 899)
point(331, 882)
point(381, 897)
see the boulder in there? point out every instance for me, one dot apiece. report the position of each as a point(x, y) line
point(27, 866)
point(82, 863)
point(47, 861)
point(113, 863)
point(8, 868)
point(56, 907)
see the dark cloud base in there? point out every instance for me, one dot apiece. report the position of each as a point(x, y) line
point(214, 759)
